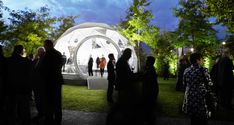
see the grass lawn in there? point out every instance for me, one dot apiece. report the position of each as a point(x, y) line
point(169, 100)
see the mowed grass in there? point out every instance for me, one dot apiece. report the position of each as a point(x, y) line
point(82, 99)
point(169, 100)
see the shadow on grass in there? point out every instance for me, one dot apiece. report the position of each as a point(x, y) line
point(77, 97)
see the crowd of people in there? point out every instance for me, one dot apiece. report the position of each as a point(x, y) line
point(21, 75)
point(203, 91)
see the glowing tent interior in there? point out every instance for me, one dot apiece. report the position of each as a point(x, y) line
point(95, 39)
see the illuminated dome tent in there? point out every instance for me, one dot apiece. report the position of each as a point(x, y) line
point(80, 42)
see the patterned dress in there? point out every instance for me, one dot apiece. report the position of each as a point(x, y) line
point(198, 87)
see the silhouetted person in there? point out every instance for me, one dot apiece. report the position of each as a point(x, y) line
point(18, 89)
point(102, 65)
point(225, 80)
point(111, 77)
point(198, 88)
point(165, 71)
point(51, 66)
point(150, 91)
point(38, 84)
point(70, 60)
point(97, 64)
point(64, 57)
point(183, 64)
point(90, 66)
point(2, 87)
point(214, 76)
point(126, 88)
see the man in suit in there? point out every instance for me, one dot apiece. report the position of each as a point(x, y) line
point(51, 66)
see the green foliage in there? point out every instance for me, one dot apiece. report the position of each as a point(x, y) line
point(165, 51)
point(63, 24)
point(194, 29)
point(137, 27)
point(223, 10)
point(29, 28)
point(3, 27)
point(230, 45)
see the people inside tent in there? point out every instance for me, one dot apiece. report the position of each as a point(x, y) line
point(102, 65)
point(97, 64)
point(64, 61)
point(90, 66)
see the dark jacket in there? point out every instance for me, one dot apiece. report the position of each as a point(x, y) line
point(111, 70)
point(51, 67)
point(18, 75)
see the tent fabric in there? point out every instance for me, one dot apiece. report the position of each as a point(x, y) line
point(80, 42)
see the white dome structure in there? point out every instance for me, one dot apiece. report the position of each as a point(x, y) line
point(80, 42)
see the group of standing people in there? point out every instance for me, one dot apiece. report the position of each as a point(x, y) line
point(129, 102)
point(101, 64)
point(20, 76)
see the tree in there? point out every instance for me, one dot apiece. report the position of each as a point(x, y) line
point(3, 26)
point(194, 28)
point(165, 51)
point(137, 28)
point(29, 28)
point(223, 10)
point(64, 24)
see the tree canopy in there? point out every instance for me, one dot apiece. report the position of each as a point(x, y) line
point(195, 30)
point(137, 27)
point(223, 10)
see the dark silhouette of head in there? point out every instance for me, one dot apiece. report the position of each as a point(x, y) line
point(18, 50)
point(111, 56)
point(150, 61)
point(48, 44)
point(127, 54)
point(195, 57)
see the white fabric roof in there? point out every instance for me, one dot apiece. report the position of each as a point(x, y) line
point(96, 39)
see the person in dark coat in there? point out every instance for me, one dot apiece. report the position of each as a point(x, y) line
point(51, 66)
point(64, 61)
point(38, 84)
point(214, 76)
point(225, 80)
point(97, 64)
point(125, 83)
point(18, 90)
point(2, 87)
point(111, 77)
point(165, 69)
point(198, 86)
point(90, 66)
point(183, 64)
point(150, 91)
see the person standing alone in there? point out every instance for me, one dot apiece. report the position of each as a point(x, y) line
point(111, 77)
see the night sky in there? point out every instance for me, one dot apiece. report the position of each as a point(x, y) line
point(104, 11)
